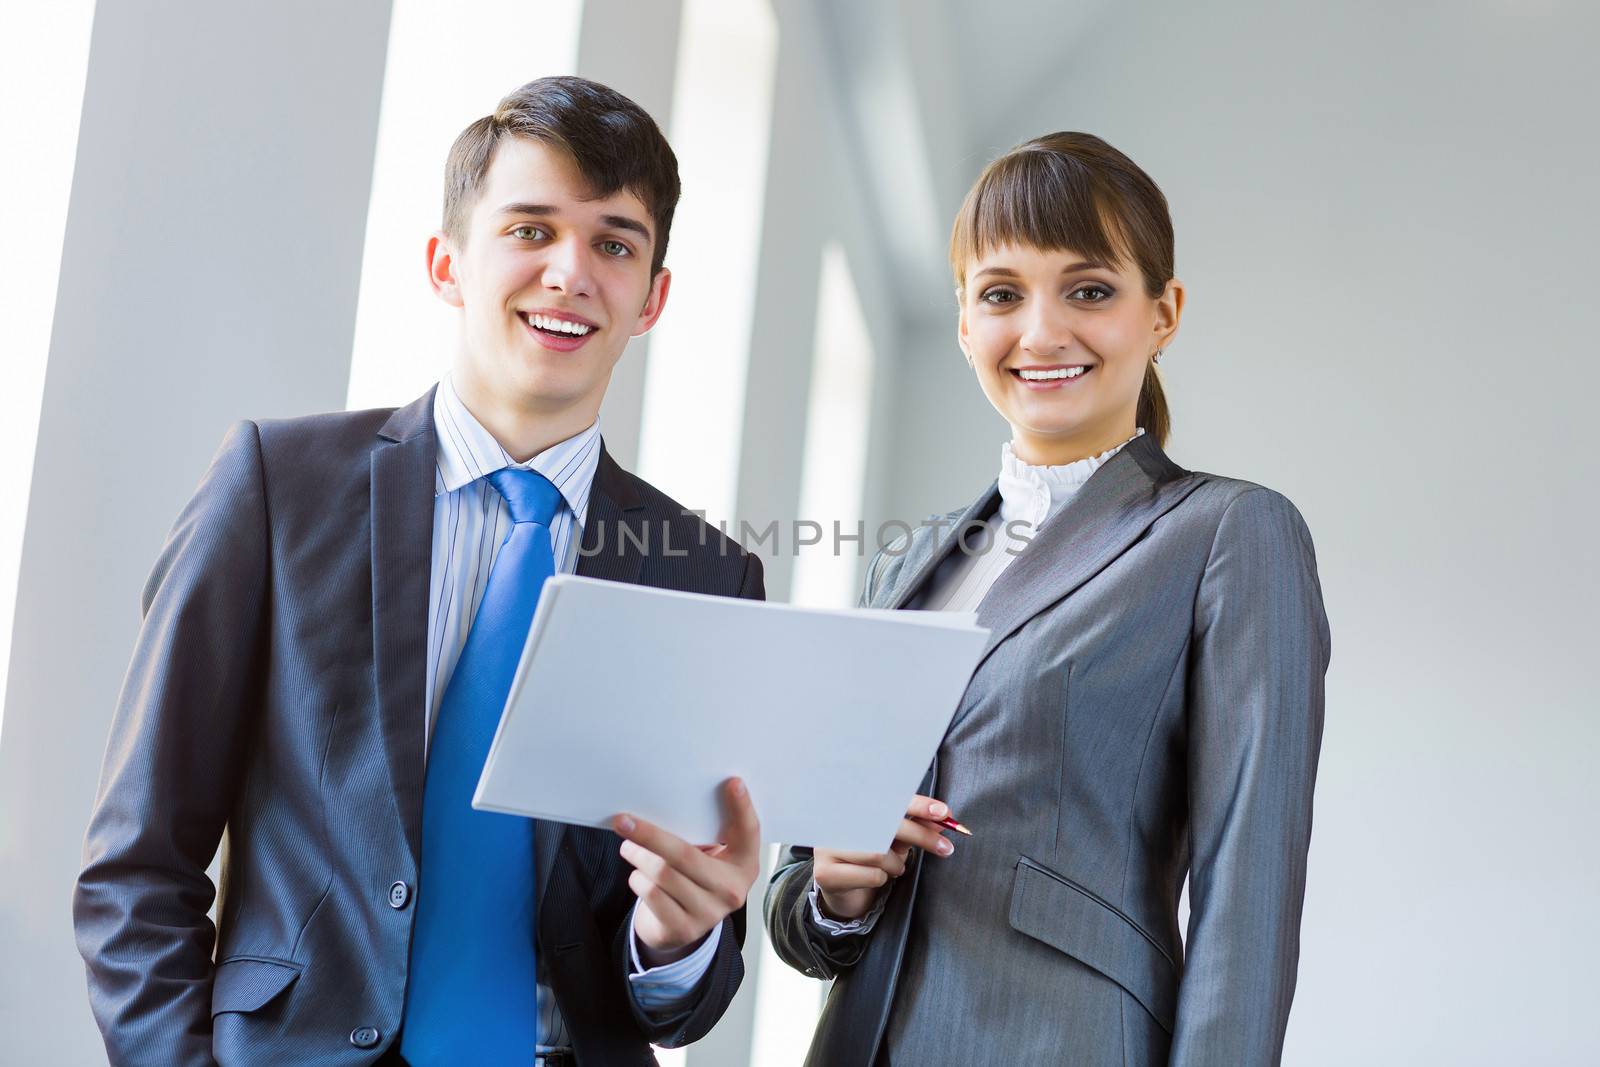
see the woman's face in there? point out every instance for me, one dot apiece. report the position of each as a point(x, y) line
point(1060, 346)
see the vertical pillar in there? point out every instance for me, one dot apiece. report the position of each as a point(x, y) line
point(209, 272)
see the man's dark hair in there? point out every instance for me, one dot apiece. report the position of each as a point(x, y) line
point(614, 142)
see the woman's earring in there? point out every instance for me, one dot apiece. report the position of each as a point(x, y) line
point(1157, 357)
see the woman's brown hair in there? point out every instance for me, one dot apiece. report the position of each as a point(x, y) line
point(1072, 191)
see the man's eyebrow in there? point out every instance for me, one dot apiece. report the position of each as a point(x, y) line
point(616, 222)
point(623, 222)
point(526, 209)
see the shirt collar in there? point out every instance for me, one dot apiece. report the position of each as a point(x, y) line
point(467, 452)
point(1033, 493)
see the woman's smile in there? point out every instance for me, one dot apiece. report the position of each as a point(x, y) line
point(1045, 377)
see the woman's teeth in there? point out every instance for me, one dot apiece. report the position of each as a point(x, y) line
point(1048, 375)
point(545, 322)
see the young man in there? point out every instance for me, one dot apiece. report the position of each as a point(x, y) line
point(329, 636)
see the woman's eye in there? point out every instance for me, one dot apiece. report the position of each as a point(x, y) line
point(526, 233)
point(998, 296)
point(1098, 293)
point(614, 248)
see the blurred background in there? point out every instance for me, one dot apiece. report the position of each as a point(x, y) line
point(1385, 218)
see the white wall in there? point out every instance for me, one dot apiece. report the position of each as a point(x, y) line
point(209, 270)
point(1385, 220)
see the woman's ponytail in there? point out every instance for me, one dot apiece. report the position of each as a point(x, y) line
point(1152, 412)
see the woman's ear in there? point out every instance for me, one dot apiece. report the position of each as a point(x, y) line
point(1169, 309)
point(961, 335)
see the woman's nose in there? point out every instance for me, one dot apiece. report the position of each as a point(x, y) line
point(1045, 335)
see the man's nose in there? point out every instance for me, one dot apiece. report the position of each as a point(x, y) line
point(569, 267)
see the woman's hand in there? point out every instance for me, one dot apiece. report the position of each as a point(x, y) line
point(848, 882)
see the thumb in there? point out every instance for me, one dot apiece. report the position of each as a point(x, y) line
point(741, 829)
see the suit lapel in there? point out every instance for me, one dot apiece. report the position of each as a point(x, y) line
point(923, 569)
point(605, 553)
point(614, 504)
point(402, 544)
point(1107, 514)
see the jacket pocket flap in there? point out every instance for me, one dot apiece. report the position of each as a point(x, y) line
point(1051, 908)
point(246, 983)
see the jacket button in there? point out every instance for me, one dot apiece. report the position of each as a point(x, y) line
point(364, 1037)
point(399, 895)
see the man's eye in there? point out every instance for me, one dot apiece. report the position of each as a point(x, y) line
point(614, 248)
point(527, 233)
point(998, 296)
point(1098, 293)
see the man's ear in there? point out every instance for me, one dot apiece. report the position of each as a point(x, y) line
point(654, 302)
point(442, 269)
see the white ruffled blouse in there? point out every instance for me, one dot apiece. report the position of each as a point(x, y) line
point(1029, 497)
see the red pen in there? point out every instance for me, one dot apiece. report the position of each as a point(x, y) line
point(951, 824)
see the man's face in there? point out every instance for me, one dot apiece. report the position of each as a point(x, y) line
point(551, 284)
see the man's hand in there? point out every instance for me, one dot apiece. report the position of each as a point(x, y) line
point(685, 890)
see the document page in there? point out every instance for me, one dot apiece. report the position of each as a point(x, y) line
point(631, 699)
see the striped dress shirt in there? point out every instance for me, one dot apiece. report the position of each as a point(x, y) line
point(470, 522)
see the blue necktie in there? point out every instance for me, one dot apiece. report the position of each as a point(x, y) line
point(472, 993)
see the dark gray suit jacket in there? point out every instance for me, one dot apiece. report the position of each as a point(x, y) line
point(276, 692)
point(1149, 705)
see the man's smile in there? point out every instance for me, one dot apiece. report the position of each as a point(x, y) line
point(558, 330)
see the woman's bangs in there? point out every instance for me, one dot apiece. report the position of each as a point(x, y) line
point(1040, 199)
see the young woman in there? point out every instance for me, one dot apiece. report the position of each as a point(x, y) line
point(1149, 705)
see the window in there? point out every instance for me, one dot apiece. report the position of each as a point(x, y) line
point(833, 471)
point(689, 437)
point(44, 58)
point(447, 66)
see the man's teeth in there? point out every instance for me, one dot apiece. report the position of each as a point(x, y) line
point(545, 322)
point(1048, 375)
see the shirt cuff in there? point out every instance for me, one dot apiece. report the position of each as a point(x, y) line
point(666, 990)
point(836, 928)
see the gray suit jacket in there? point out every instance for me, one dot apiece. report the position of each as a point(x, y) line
point(1149, 705)
point(276, 691)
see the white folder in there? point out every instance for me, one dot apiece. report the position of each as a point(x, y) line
point(639, 700)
